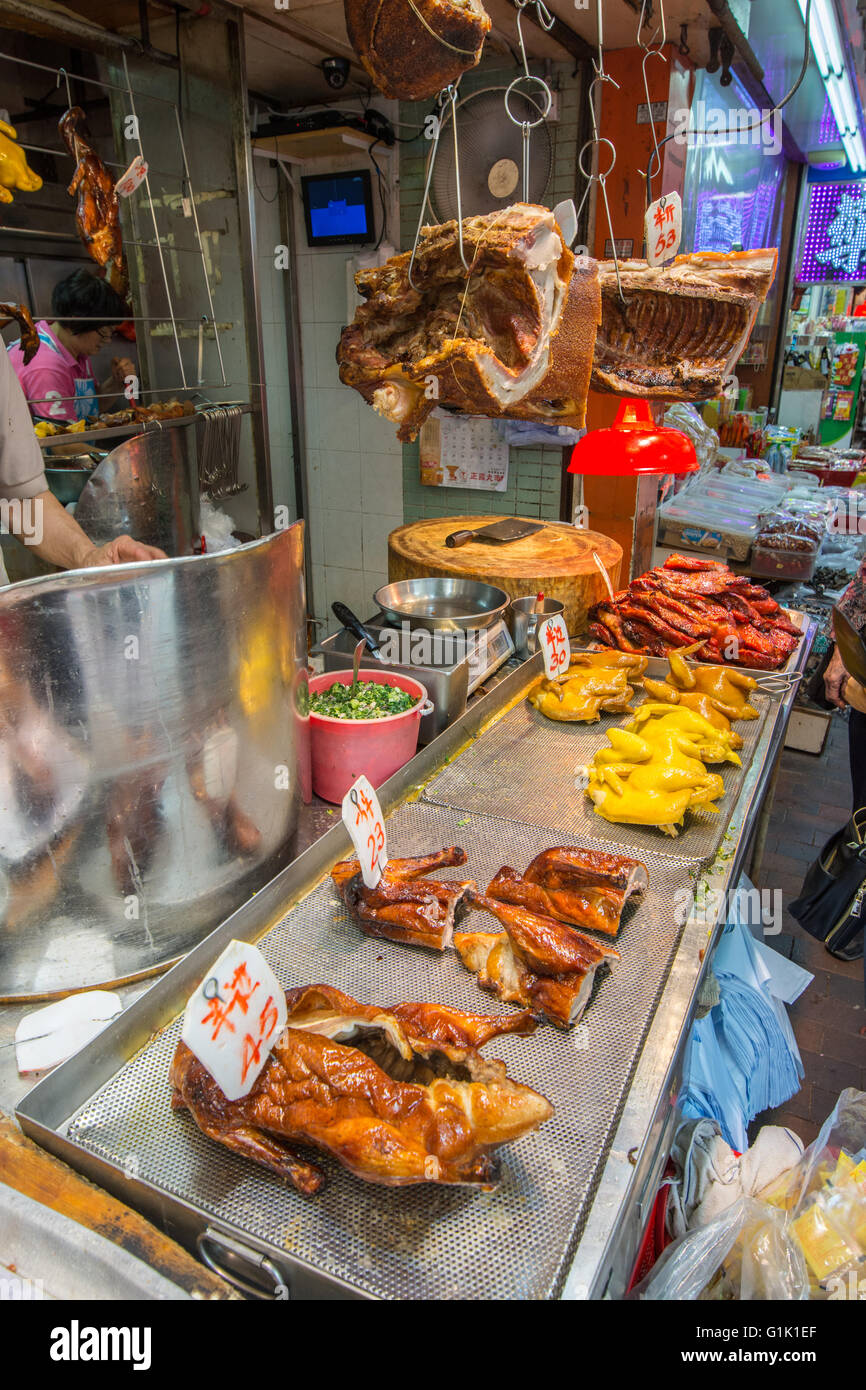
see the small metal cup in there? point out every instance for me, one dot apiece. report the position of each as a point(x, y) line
point(523, 622)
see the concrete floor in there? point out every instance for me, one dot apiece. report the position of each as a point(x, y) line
point(812, 799)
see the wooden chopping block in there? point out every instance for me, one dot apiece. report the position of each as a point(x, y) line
point(556, 561)
point(38, 1174)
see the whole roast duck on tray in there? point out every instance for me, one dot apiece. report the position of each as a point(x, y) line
point(697, 603)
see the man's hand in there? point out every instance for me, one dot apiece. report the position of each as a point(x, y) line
point(123, 550)
point(834, 679)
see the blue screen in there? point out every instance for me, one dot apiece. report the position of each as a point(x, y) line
point(338, 207)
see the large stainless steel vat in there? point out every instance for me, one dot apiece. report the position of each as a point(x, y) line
point(153, 753)
point(146, 487)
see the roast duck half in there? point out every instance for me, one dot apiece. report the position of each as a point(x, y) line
point(527, 329)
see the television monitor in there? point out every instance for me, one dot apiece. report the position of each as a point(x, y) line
point(338, 208)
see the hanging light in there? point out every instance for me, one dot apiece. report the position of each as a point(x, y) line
point(634, 444)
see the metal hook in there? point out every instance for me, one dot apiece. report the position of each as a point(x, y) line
point(655, 163)
point(440, 103)
point(600, 77)
point(61, 72)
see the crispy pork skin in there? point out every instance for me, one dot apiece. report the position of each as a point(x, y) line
point(404, 906)
point(396, 1099)
point(676, 333)
point(413, 51)
point(511, 337)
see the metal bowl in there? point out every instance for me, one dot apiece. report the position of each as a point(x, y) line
point(437, 604)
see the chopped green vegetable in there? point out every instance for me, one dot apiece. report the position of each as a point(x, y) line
point(362, 700)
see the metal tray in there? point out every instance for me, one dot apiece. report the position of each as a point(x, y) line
point(440, 1243)
point(523, 770)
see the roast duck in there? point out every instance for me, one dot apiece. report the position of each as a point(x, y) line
point(701, 605)
point(29, 333)
point(406, 905)
point(414, 50)
point(523, 332)
point(397, 1096)
point(97, 213)
point(537, 958)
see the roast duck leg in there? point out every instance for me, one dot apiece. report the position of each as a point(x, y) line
point(397, 1096)
point(406, 906)
point(29, 333)
point(97, 213)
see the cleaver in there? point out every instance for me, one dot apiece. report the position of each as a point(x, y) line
point(512, 529)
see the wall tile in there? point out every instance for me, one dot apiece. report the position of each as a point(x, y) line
point(342, 539)
point(375, 532)
point(341, 480)
point(382, 484)
point(338, 410)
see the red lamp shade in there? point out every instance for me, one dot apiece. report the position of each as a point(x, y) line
point(634, 443)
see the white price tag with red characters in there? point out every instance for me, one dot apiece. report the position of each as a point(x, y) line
point(133, 178)
point(554, 643)
point(235, 1017)
point(362, 817)
point(663, 228)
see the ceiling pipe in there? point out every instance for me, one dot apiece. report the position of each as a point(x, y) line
point(61, 24)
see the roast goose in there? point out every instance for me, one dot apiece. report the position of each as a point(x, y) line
point(414, 48)
point(406, 905)
point(97, 213)
point(513, 337)
point(533, 960)
point(583, 888)
point(675, 334)
point(397, 1096)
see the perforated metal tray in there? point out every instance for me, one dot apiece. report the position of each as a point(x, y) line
point(523, 770)
point(426, 1243)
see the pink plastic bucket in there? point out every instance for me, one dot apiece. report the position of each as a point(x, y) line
point(343, 749)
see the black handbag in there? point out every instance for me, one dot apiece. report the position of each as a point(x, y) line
point(832, 901)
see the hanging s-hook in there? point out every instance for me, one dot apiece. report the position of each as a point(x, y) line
point(61, 72)
point(655, 163)
point(546, 20)
point(452, 94)
point(595, 144)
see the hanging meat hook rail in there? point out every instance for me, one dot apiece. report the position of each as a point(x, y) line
point(596, 142)
point(651, 52)
point(447, 94)
point(546, 20)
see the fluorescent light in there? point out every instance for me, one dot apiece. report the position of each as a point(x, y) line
point(829, 58)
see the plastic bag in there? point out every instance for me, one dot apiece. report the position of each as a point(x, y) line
point(685, 418)
point(747, 1254)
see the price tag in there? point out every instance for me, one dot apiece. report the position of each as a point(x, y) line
point(663, 228)
point(554, 643)
point(362, 817)
point(234, 1018)
point(133, 178)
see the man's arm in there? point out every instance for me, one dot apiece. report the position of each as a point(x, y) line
point(54, 535)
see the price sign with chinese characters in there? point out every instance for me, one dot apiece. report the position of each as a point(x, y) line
point(362, 817)
point(133, 178)
point(234, 1018)
point(554, 643)
point(663, 228)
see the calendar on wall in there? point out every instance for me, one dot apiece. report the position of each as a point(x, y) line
point(463, 451)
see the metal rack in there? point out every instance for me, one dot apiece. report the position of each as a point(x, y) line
point(160, 242)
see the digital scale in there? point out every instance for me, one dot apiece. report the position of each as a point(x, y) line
point(468, 658)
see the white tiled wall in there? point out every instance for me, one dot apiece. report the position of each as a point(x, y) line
point(355, 465)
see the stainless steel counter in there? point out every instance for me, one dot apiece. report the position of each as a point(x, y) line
point(631, 1161)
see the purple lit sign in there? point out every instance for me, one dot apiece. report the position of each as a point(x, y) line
point(834, 247)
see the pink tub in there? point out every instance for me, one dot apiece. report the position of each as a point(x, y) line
point(343, 749)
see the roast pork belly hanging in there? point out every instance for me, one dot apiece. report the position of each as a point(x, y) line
point(511, 337)
point(414, 48)
point(676, 334)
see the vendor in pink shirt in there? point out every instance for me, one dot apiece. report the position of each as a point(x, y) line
point(58, 381)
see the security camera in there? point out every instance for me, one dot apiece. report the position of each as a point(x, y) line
point(336, 72)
